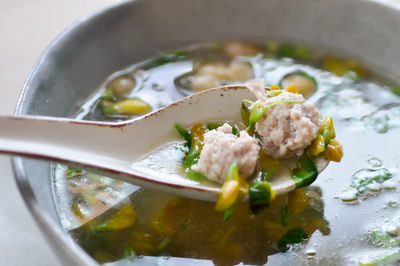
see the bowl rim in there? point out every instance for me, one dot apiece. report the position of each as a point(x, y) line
point(67, 250)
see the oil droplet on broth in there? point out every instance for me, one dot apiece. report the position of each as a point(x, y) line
point(348, 195)
point(374, 162)
point(375, 187)
point(311, 252)
point(389, 184)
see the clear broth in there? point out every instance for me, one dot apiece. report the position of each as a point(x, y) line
point(342, 220)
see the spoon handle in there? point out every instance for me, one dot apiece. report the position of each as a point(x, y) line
point(102, 148)
point(58, 139)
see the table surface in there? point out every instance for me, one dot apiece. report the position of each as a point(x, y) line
point(26, 29)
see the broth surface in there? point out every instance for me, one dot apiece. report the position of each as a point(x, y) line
point(351, 213)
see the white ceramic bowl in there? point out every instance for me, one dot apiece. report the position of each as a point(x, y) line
point(87, 52)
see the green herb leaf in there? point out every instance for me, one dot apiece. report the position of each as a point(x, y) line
point(244, 111)
point(194, 175)
point(260, 193)
point(128, 251)
point(192, 153)
point(292, 236)
point(395, 90)
point(302, 53)
point(286, 50)
point(383, 239)
point(266, 174)
point(235, 130)
point(185, 134)
point(305, 173)
point(364, 177)
point(123, 218)
point(258, 111)
point(108, 95)
point(233, 172)
point(228, 213)
point(111, 109)
point(191, 158)
point(255, 116)
point(72, 172)
point(213, 125)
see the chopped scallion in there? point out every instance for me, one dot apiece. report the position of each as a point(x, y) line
point(305, 173)
point(292, 236)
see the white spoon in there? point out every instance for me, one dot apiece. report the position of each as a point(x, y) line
point(112, 148)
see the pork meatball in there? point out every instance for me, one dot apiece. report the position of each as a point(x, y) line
point(222, 148)
point(286, 129)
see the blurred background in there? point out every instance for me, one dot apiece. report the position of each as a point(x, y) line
point(26, 29)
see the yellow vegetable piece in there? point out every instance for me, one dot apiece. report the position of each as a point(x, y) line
point(198, 130)
point(275, 88)
point(327, 130)
point(133, 106)
point(335, 65)
point(243, 187)
point(334, 151)
point(297, 201)
point(356, 67)
point(227, 195)
point(275, 230)
point(143, 244)
point(122, 219)
point(269, 164)
point(292, 89)
point(273, 47)
point(340, 67)
point(317, 146)
point(76, 208)
point(161, 225)
point(272, 195)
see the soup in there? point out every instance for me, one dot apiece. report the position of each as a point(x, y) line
point(349, 216)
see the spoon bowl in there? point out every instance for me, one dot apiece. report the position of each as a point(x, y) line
point(112, 148)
